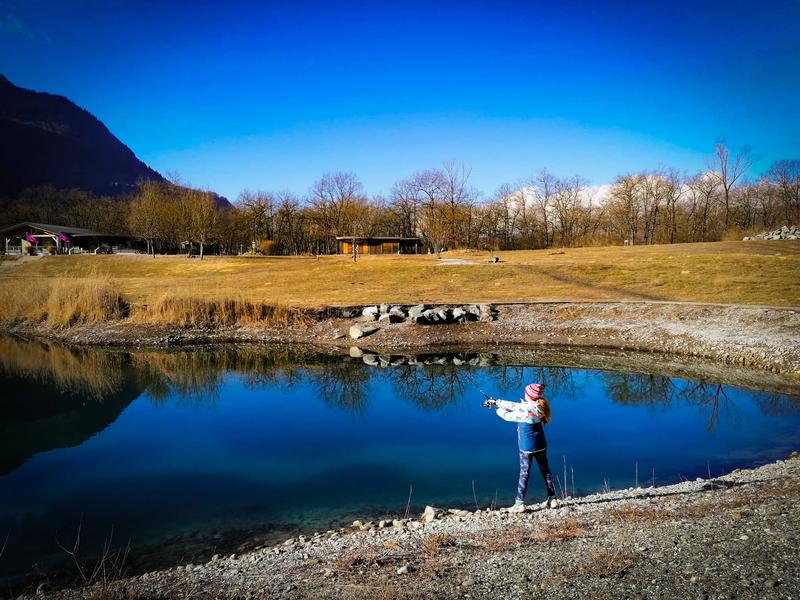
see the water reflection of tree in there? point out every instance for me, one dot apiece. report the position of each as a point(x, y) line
point(657, 390)
point(95, 375)
point(190, 377)
point(431, 387)
point(513, 379)
point(197, 377)
point(341, 383)
point(776, 405)
point(710, 396)
point(638, 388)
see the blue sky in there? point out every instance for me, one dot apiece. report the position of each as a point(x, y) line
point(271, 95)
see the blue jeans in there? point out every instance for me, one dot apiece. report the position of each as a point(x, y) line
point(525, 460)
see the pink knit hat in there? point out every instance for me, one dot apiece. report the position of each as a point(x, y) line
point(534, 391)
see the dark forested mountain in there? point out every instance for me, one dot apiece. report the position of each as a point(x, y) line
point(48, 140)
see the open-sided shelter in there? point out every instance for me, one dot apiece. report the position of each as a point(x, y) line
point(17, 238)
point(379, 245)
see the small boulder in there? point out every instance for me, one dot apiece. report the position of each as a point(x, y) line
point(384, 308)
point(370, 313)
point(429, 515)
point(391, 317)
point(415, 312)
point(359, 331)
point(356, 352)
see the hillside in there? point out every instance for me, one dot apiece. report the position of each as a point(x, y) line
point(47, 139)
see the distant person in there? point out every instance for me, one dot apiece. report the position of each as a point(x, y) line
point(530, 414)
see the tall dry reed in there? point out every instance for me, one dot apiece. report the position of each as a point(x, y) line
point(189, 311)
point(63, 301)
point(90, 300)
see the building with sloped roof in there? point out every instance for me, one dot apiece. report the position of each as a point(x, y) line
point(18, 238)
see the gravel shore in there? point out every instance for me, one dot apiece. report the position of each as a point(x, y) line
point(734, 536)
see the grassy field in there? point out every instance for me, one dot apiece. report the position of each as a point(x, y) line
point(723, 272)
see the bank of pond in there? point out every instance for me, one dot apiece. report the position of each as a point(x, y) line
point(186, 453)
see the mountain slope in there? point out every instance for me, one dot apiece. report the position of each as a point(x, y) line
point(47, 139)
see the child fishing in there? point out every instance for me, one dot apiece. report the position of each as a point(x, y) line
point(530, 415)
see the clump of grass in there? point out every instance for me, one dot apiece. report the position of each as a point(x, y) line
point(704, 508)
point(89, 300)
point(502, 539)
point(640, 514)
point(26, 302)
point(606, 562)
point(189, 311)
point(434, 543)
point(565, 529)
point(63, 301)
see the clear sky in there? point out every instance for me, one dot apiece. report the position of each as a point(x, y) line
point(270, 95)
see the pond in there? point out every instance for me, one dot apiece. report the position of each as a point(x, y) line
point(187, 453)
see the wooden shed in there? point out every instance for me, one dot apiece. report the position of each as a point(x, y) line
point(379, 245)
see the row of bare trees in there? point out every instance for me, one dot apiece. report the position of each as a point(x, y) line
point(170, 216)
point(442, 208)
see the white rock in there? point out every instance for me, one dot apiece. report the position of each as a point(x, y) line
point(359, 331)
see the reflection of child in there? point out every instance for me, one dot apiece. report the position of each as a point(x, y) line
point(530, 414)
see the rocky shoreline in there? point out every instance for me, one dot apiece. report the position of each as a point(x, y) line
point(733, 536)
point(762, 338)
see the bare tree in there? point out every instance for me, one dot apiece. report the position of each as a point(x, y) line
point(144, 213)
point(333, 197)
point(702, 188)
point(728, 170)
point(204, 217)
point(785, 176)
point(544, 189)
point(258, 210)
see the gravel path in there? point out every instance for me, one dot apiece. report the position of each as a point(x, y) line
point(735, 536)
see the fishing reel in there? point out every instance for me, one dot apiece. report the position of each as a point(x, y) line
point(489, 403)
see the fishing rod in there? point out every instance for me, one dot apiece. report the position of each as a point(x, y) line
point(475, 383)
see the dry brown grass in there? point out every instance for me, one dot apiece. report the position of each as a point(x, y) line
point(435, 543)
point(565, 529)
point(63, 301)
point(706, 508)
point(729, 272)
point(91, 300)
point(511, 537)
point(789, 489)
point(186, 311)
point(606, 562)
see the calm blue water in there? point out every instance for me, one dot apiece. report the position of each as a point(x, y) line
point(182, 446)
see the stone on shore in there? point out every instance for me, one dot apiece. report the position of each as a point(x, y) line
point(359, 331)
